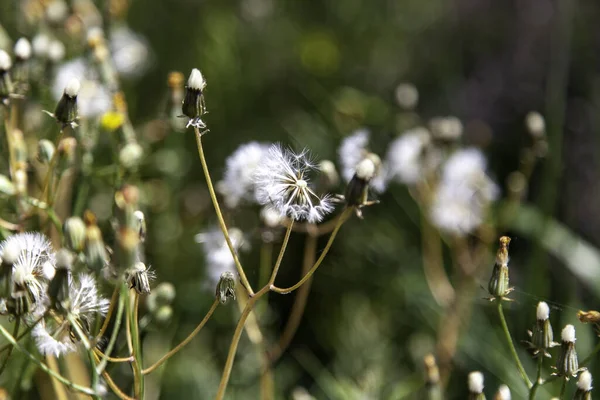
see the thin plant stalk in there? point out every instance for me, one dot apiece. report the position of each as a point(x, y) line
point(184, 342)
point(114, 334)
point(563, 388)
point(43, 366)
point(511, 345)
point(135, 341)
point(8, 354)
point(538, 380)
point(113, 300)
point(310, 249)
point(345, 215)
point(222, 225)
point(90, 352)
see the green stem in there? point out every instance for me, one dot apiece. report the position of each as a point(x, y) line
point(43, 366)
point(90, 351)
point(511, 345)
point(113, 335)
point(15, 334)
point(281, 253)
point(135, 342)
point(563, 387)
point(346, 214)
point(215, 202)
point(538, 381)
point(184, 342)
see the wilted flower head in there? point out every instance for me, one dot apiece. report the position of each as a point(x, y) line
point(281, 181)
point(406, 159)
point(352, 151)
point(463, 194)
point(238, 180)
point(35, 257)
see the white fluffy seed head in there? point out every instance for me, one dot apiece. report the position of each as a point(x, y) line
point(23, 49)
point(476, 382)
point(10, 253)
point(196, 80)
point(585, 381)
point(568, 334)
point(5, 61)
point(503, 393)
point(543, 311)
point(366, 169)
point(72, 88)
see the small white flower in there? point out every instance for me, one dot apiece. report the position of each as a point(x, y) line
point(352, 151)
point(35, 257)
point(406, 159)
point(463, 193)
point(217, 254)
point(238, 182)
point(93, 99)
point(281, 181)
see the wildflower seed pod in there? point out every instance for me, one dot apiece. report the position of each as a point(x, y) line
point(584, 387)
point(476, 386)
point(58, 289)
point(567, 364)
point(357, 189)
point(542, 337)
point(141, 223)
point(193, 100)
point(503, 393)
point(137, 278)
point(74, 232)
point(95, 252)
point(226, 287)
point(432, 378)
point(499, 282)
point(6, 85)
point(66, 109)
point(45, 151)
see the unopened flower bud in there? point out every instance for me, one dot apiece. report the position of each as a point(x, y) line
point(137, 278)
point(5, 62)
point(74, 234)
point(66, 109)
point(131, 155)
point(499, 282)
point(567, 364)
point(141, 224)
point(357, 188)
point(584, 387)
point(95, 252)
point(226, 287)
point(476, 386)
point(193, 101)
point(542, 337)
point(503, 393)
point(58, 289)
point(45, 151)
point(20, 303)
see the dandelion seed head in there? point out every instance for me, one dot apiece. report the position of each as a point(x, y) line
point(238, 181)
point(23, 49)
point(282, 183)
point(352, 151)
point(476, 382)
point(405, 159)
point(568, 334)
point(543, 311)
point(56, 343)
point(584, 383)
point(84, 300)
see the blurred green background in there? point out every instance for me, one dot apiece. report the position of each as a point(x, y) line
point(308, 73)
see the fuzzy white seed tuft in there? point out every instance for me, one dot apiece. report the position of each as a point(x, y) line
point(543, 311)
point(10, 253)
point(366, 169)
point(5, 61)
point(196, 80)
point(72, 88)
point(585, 381)
point(476, 382)
point(568, 334)
point(503, 393)
point(23, 49)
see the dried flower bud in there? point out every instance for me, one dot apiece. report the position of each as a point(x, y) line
point(45, 151)
point(74, 234)
point(584, 387)
point(567, 364)
point(476, 386)
point(193, 101)
point(503, 393)
point(226, 287)
point(357, 188)
point(58, 289)
point(66, 109)
point(95, 252)
point(138, 278)
point(589, 316)
point(499, 282)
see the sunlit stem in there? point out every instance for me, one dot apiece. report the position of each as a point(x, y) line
point(511, 345)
